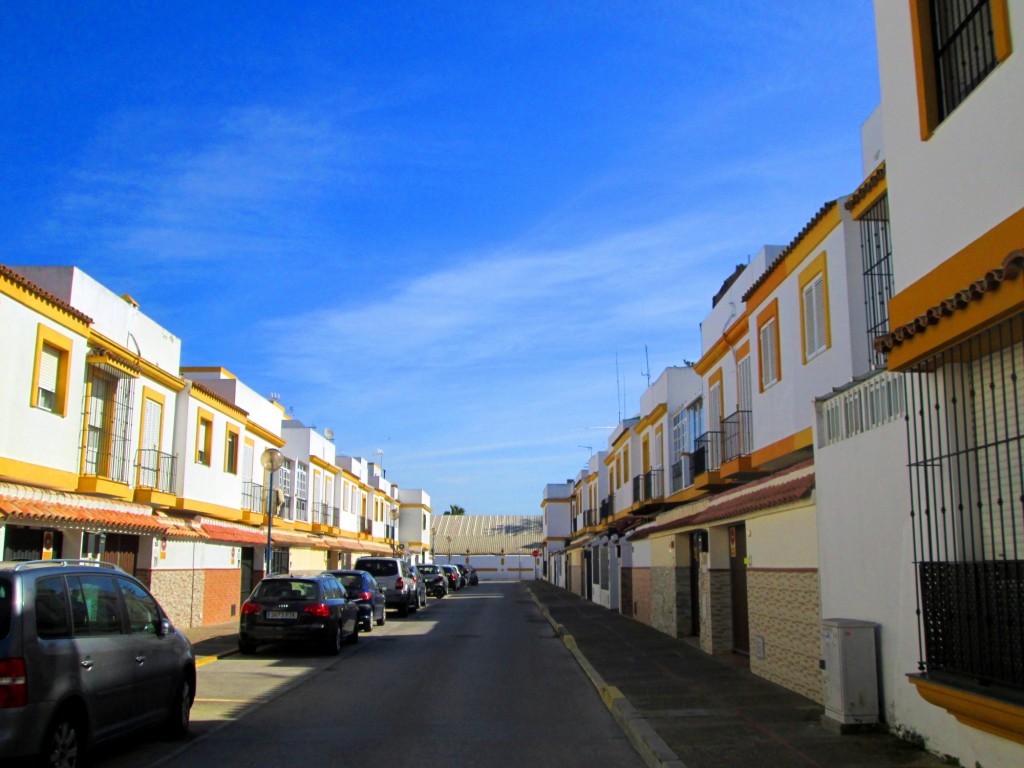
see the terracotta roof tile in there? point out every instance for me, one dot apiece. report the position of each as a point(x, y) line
point(19, 279)
point(228, 534)
point(822, 213)
point(865, 188)
point(1011, 269)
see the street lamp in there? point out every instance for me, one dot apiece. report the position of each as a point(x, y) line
point(394, 529)
point(272, 460)
point(449, 549)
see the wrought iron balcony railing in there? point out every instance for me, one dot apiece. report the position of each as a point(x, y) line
point(156, 470)
point(252, 496)
point(648, 487)
point(737, 436)
point(707, 453)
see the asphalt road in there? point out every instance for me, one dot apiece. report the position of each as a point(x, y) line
point(475, 680)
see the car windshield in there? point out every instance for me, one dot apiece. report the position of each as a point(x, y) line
point(6, 592)
point(379, 567)
point(351, 580)
point(286, 589)
point(429, 569)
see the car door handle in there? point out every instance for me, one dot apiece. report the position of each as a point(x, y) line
point(86, 663)
point(139, 659)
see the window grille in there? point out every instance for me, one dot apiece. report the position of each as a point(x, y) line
point(965, 414)
point(107, 424)
point(964, 49)
point(861, 407)
point(876, 259)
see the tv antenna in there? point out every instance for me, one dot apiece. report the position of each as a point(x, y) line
point(647, 373)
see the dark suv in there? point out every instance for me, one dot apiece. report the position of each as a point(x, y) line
point(86, 654)
point(397, 578)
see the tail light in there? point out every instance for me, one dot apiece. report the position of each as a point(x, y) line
point(13, 687)
point(399, 584)
point(318, 609)
point(249, 608)
point(364, 596)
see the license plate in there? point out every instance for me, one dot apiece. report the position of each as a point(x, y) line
point(282, 614)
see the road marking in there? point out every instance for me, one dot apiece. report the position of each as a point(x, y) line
point(222, 701)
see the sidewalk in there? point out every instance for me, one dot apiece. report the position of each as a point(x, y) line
point(214, 641)
point(682, 708)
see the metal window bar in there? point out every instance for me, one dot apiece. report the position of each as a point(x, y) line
point(860, 408)
point(300, 509)
point(964, 49)
point(253, 497)
point(966, 462)
point(706, 456)
point(737, 437)
point(876, 260)
point(677, 477)
point(607, 507)
point(106, 424)
point(155, 469)
point(648, 486)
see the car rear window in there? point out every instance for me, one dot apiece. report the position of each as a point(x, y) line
point(6, 601)
point(428, 569)
point(379, 567)
point(286, 589)
point(351, 580)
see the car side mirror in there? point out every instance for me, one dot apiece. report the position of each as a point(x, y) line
point(163, 629)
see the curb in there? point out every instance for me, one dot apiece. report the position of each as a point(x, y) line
point(649, 745)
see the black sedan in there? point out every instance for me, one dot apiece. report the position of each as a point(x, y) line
point(304, 609)
point(364, 591)
point(454, 577)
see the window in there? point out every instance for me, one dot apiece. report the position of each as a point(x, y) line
point(204, 437)
point(52, 609)
point(876, 259)
point(812, 309)
point(768, 343)
point(957, 44)
point(108, 419)
point(231, 451)
point(50, 373)
point(143, 614)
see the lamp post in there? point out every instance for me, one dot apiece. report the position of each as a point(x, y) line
point(394, 530)
point(449, 549)
point(272, 460)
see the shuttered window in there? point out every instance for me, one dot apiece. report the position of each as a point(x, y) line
point(769, 349)
point(815, 336)
point(49, 378)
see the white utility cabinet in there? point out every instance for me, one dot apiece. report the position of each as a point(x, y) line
point(850, 671)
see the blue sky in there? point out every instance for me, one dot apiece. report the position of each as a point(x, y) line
point(436, 227)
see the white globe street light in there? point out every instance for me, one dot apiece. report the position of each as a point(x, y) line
point(272, 460)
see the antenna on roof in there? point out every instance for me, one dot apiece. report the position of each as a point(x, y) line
point(647, 373)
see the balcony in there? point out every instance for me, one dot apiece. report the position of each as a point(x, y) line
point(253, 499)
point(648, 487)
point(607, 508)
point(706, 461)
point(737, 445)
point(154, 472)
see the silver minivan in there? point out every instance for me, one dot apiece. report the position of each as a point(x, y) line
point(86, 654)
point(398, 580)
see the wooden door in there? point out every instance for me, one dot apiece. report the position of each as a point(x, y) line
point(738, 583)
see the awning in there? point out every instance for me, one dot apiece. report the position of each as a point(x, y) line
point(290, 539)
point(228, 534)
point(69, 510)
point(342, 544)
point(373, 547)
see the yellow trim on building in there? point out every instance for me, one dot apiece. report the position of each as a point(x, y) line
point(112, 361)
point(63, 346)
point(802, 439)
point(219, 511)
point(817, 266)
point(104, 486)
point(41, 306)
point(219, 405)
point(231, 462)
point(878, 191)
point(809, 243)
point(652, 417)
point(771, 312)
point(24, 473)
point(324, 465)
point(264, 434)
point(728, 341)
point(953, 275)
point(924, 57)
point(204, 416)
point(991, 715)
point(145, 368)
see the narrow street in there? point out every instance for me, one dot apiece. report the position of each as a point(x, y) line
point(475, 679)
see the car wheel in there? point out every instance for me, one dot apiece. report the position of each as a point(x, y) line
point(334, 641)
point(383, 617)
point(63, 743)
point(179, 713)
point(368, 625)
point(246, 647)
point(403, 609)
point(415, 606)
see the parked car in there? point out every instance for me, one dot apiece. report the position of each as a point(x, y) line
point(307, 609)
point(86, 654)
point(421, 586)
point(435, 578)
point(464, 571)
point(362, 589)
point(454, 577)
point(472, 577)
point(396, 576)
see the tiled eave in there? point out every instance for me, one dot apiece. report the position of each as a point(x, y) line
point(866, 188)
point(27, 285)
point(821, 214)
point(786, 487)
point(1011, 269)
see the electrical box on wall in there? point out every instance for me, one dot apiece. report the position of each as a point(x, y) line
point(850, 673)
